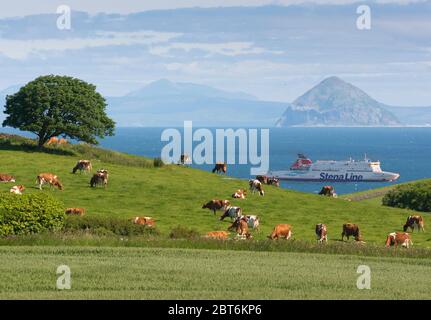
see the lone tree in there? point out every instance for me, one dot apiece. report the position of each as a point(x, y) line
point(51, 106)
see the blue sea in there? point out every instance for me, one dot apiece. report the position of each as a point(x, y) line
point(403, 150)
point(406, 151)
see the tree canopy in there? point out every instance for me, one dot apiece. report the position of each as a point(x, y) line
point(51, 106)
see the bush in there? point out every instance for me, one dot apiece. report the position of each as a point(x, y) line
point(107, 226)
point(30, 213)
point(157, 162)
point(181, 232)
point(414, 196)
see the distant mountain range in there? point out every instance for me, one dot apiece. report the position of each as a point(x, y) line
point(332, 102)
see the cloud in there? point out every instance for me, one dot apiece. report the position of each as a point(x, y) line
point(21, 49)
point(225, 49)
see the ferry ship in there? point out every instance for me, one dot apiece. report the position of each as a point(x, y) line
point(337, 171)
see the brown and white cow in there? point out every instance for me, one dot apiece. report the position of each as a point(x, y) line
point(184, 159)
point(82, 165)
point(239, 194)
point(256, 185)
point(252, 222)
point(50, 178)
point(216, 204)
point(219, 235)
point(414, 222)
point(17, 189)
point(99, 178)
point(281, 231)
point(75, 211)
point(350, 229)
point(232, 213)
point(321, 233)
point(6, 178)
point(269, 181)
point(328, 191)
point(262, 179)
point(399, 238)
point(220, 167)
point(241, 229)
point(146, 221)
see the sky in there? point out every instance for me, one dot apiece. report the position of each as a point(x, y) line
point(274, 50)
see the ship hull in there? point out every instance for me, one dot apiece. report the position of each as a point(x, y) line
point(296, 175)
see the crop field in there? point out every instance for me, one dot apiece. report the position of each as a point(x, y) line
point(151, 273)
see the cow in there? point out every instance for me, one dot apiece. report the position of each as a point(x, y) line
point(216, 204)
point(55, 140)
point(252, 222)
point(184, 158)
point(17, 189)
point(328, 191)
point(219, 235)
point(146, 221)
point(281, 231)
point(273, 182)
point(321, 233)
point(82, 165)
point(239, 194)
point(100, 178)
point(268, 181)
point(50, 178)
point(75, 211)
point(256, 185)
point(399, 238)
point(413, 222)
point(6, 178)
point(220, 167)
point(242, 229)
point(350, 229)
point(232, 213)
point(262, 179)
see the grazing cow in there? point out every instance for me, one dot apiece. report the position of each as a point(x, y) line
point(252, 222)
point(220, 167)
point(82, 165)
point(321, 233)
point(350, 229)
point(232, 213)
point(50, 178)
point(239, 194)
point(216, 204)
point(328, 191)
point(6, 178)
point(75, 211)
point(274, 182)
point(99, 178)
point(262, 179)
point(219, 235)
point(146, 221)
point(256, 185)
point(281, 231)
point(399, 238)
point(55, 140)
point(413, 222)
point(268, 181)
point(242, 229)
point(17, 189)
point(184, 159)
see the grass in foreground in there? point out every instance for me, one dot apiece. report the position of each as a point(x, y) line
point(137, 273)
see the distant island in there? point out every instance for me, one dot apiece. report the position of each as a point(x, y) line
point(334, 102)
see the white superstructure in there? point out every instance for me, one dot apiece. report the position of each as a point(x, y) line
point(330, 170)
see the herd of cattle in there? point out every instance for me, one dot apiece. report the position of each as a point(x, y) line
point(241, 223)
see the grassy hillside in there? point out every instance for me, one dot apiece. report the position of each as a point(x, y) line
point(174, 195)
point(139, 273)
